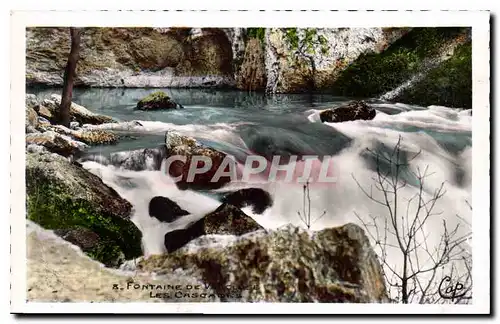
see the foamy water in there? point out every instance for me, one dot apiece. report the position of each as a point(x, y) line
point(441, 136)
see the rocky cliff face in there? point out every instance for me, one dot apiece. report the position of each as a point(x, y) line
point(357, 62)
point(133, 57)
point(285, 60)
point(305, 59)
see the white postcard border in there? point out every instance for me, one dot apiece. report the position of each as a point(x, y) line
point(479, 21)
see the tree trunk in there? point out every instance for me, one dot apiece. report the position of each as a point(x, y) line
point(404, 280)
point(69, 76)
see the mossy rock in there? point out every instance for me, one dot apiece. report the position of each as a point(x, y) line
point(64, 196)
point(285, 265)
point(155, 101)
point(449, 84)
point(374, 74)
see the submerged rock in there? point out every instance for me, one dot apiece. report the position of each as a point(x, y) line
point(356, 110)
point(284, 265)
point(227, 219)
point(156, 101)
point(188, 147)
point(165, 210)
point(64, 196)
point(138, 160)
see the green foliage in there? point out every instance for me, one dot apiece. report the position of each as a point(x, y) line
point(309, 34)
point(258, 33)
point(53, 208)
point(374, 74)
point(309, 40)
point(450, 84)
point(324, 44)
point(292, 37)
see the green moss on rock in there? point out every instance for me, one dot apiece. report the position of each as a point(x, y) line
point(449, 84)
point(155, 96)
point(374, 74)
point(156, 100)
point(56, 200)
point(258, 33)
point(292, 37)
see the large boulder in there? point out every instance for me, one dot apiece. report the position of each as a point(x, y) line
point(156, 101)
point(226, 219)
point(77, 113)
point(62, 195)
point(188, 147)
point(283, 265)
point(356, 110)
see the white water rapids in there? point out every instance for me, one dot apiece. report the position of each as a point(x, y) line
point(287, 127)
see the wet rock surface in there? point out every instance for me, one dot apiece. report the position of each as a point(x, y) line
point(357, 110)
point(258, 199)
point(226, 219)
point(165, 210)
point(284, 265)
point(178, 145)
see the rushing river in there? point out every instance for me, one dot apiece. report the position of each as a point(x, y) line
point(241, 123)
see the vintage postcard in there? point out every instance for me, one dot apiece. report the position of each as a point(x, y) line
point(311, 162)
